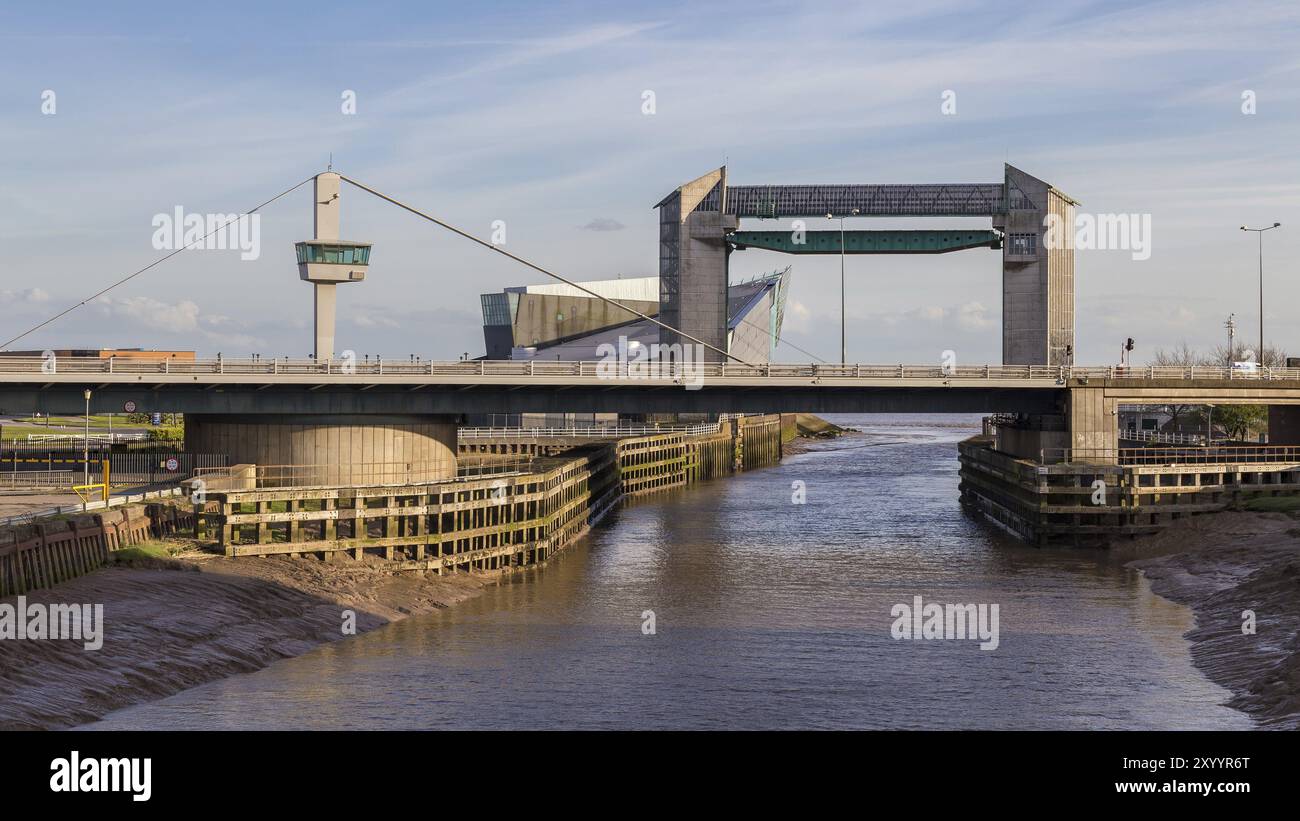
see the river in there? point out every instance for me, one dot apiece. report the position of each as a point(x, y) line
point(766, 614)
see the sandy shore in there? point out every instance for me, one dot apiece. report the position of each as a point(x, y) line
point(1221, 565)
point(202, 618)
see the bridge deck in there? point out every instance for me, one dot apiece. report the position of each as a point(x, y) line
point(479, 386)
point(36, 369)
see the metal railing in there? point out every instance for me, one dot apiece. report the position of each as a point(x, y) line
point(126, 468)
point(651, 370)
point(76, 439)
point(27, 479)
point(82, 507)
point(595, 431)
point(1208, 455)
point(1163, 437)
point(355, 474)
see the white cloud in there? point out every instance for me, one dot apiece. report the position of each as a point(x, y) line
point(797, 316)
point(604, 224)
point(973, 316)
point(183, 319)
point(374, 321)
point(147, 312)
point(28, 296)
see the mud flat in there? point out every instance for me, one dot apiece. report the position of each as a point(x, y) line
point(174, 624)
point(1222, 565)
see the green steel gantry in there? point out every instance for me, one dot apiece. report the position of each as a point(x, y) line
point(865, 242)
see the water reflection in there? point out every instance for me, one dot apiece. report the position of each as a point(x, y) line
point(768, 615)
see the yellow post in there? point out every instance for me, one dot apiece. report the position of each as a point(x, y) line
point(106, 482)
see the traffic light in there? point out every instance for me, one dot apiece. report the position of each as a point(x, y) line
point(1128, 346)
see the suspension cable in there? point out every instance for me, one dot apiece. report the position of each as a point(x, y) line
point(540, 269)
point(158, 261)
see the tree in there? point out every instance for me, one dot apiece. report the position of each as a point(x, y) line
point(1238, 422)
point(1183, 356)
point(1273, 357)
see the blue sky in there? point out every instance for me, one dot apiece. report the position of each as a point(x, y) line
point(532, 115)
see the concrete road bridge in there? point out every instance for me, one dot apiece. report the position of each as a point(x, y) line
point(246, 407)
point(342, 411)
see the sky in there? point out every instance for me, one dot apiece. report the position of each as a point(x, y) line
point(534, 115)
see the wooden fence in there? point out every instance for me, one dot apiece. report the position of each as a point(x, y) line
point(51, 551)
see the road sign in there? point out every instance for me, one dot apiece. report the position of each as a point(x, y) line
point(172, 464)
point(129, 407)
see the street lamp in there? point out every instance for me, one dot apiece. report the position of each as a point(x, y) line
point(85, 444)
point(843, 320)
point(1261, 231)
point(1231, 325)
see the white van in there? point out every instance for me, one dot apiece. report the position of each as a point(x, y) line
point(1245, 369)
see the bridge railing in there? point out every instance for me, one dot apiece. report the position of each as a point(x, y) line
point(665, 370)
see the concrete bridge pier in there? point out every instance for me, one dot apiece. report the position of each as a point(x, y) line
point(332, 448)
point(1093, 423)
point(1088, 429)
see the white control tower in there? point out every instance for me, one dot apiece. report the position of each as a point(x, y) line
point(327, 261)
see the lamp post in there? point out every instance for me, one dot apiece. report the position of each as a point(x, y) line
point(1261, 231)
point(85, 444)
point(843, 317)
point(1231, 325)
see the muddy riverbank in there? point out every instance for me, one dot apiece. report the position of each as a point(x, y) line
point(171, 625)
point(1227, 566)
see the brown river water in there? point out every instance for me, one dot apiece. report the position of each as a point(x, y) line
point(767, 614)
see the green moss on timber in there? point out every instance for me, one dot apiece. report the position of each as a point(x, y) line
point(152, 549)
point(1273, 504)
point(808, 425)
point(147, 555)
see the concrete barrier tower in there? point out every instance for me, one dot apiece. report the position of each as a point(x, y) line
point(1037, 272)
point(693, 226)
